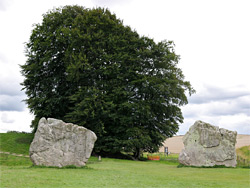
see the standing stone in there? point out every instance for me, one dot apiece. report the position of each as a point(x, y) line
point(61, 144)
point(208, 145)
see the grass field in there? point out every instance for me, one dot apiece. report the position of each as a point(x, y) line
point(19, 172)
point(14, 142)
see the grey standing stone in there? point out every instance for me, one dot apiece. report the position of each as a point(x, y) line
point(208, 145)
point(61, 144)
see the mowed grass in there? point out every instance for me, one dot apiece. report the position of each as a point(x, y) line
point(123, 173)
point(19, 172)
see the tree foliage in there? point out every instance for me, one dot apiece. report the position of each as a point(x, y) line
point(84, 66)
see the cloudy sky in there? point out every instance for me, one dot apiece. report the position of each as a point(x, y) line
point(211, 36)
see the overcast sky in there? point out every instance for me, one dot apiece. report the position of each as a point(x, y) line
point(211, 36)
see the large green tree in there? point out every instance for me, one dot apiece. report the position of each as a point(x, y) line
point(84, 66)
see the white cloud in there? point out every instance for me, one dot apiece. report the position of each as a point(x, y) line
point(209, 93)
point(10, 84)
point(239, 105)
point(15, 121)
point(11, 95)
point(6, 119)
point(4, 4)
point(224, 107)
point(239, 122)
point(11, 103)
point(111, 3)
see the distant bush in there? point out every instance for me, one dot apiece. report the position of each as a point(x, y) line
point(23, 132)
point(246, 151)
point(243, 156)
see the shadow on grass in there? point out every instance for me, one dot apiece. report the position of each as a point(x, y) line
point(64, 167)
point(92, 160)
point(216, 166)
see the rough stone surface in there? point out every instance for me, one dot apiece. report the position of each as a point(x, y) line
point(61, 144)
point(208, 145)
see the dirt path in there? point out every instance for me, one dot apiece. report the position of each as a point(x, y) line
point(14, 154)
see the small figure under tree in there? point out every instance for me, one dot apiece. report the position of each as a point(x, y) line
point(84, 66)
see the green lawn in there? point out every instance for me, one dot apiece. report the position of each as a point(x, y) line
point(122, 173)
point(18, 172)
point(14, 142)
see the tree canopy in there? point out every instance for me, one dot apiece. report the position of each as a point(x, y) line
point(85, 67)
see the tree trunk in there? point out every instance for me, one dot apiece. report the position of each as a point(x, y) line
point(137, 153)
